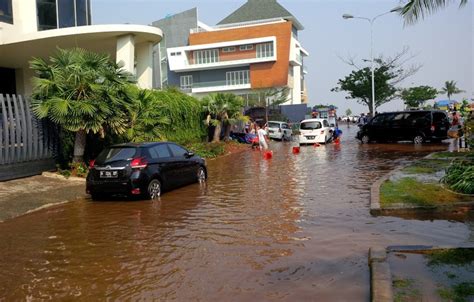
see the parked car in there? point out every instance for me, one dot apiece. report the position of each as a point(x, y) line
point(417, 126)
point(314, 131)
point(279, 130)
point(143, 169)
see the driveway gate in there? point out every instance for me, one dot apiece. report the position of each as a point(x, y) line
point(27, 145)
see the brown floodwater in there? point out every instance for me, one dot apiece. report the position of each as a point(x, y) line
point(293, 228)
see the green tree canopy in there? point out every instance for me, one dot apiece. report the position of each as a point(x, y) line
point(450, 89)
point(83, 92)
point(348, 112)
point(417, 96)
point(388, 73)
point(223, 109)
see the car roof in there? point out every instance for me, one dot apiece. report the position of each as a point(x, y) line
point(412, 111)
point(277, 122)
point(314, 120)
point(137, 145)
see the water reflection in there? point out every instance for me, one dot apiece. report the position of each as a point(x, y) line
point(293, 228)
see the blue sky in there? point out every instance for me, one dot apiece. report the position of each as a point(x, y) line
point(442, 43)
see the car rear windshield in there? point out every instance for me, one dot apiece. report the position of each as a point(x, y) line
point(274, 125)
point(310, 125)
point(116, 154)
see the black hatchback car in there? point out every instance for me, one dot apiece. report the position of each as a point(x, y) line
point(145, 170)
point(418, 126)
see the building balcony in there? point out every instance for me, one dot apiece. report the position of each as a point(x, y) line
point(215, 56)
point(216, 86)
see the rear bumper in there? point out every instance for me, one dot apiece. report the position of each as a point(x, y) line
point(276, 135)
point(312, 139)
point(98, 186)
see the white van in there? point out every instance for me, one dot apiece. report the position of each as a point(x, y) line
point(279, 130)
point(314, 131)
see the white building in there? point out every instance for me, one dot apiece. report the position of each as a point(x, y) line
point(36, 28)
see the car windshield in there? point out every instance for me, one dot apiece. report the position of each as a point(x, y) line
point(310, 125)
point(274, 125)
point(116, 154)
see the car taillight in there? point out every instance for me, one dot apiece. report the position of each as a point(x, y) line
point(139, 163)
point(91, 164)
point(433, 128)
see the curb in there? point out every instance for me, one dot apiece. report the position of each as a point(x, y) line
point(59, 176)
point(380, 276)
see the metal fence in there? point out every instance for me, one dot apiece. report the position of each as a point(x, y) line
point(27, 145)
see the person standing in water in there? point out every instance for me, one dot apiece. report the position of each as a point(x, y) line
point(262, 138)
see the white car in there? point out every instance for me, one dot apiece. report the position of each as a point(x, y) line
point(314, 131)
point(279, 130)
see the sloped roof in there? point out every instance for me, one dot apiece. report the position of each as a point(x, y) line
point(255, 10)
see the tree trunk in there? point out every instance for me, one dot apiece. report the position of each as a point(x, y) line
point(217, 132)
point(79, 146)
point(227, 129)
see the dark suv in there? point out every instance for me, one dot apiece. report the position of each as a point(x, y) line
point(145, 169)
point(417, 126)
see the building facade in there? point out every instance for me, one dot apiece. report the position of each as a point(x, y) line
point(256, 47)
point(36, 28)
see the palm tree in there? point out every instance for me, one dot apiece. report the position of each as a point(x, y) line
point(223, 109)
point(450, 89)
point(415, 10)
point(147, 120)
point(82, 92)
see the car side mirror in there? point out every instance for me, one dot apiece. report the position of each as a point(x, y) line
point(189, 154)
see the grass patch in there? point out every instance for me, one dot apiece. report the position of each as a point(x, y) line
point(405, 290)
point(459, 257)
point(426, 167)
point(452, 154)
point(410, 191)
point(458, 293)
point(207, 150)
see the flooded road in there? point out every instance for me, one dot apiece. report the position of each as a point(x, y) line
point(295, 228)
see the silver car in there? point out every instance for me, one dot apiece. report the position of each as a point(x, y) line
point(279, 130)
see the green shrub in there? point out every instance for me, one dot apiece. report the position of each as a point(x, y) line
point(207, 150)
point(460, 176)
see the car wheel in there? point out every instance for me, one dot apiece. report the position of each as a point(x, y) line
point(154, 189)
point(365, 139)
point(201, 175)
point(418, 139)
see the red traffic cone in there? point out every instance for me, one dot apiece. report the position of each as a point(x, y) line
point(268, 154)
point(296, 150)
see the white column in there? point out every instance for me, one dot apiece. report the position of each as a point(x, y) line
point(24, 16)
point(145, 65)
point(126, 53)
point(296, 97)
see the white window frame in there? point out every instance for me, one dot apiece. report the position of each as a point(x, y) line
point(239, 77)
point(229, 49)
point(186, 82)
point(206, 56)
point(265, 50)
point(246, 47)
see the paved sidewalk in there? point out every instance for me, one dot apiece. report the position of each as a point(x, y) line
point(21, 196)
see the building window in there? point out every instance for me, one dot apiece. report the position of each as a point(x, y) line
point(228, 49)
point(186, 82)
point(82, 12)
point(240, 77)
point(206, 56)
point(246, 47)
point(46, 10)
point(66, 13)
point(54, 14)
point(265, 50)
point(6, 13)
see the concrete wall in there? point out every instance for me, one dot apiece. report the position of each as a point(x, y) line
point(176, 30)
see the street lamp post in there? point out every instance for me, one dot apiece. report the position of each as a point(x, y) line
point(372, 67)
